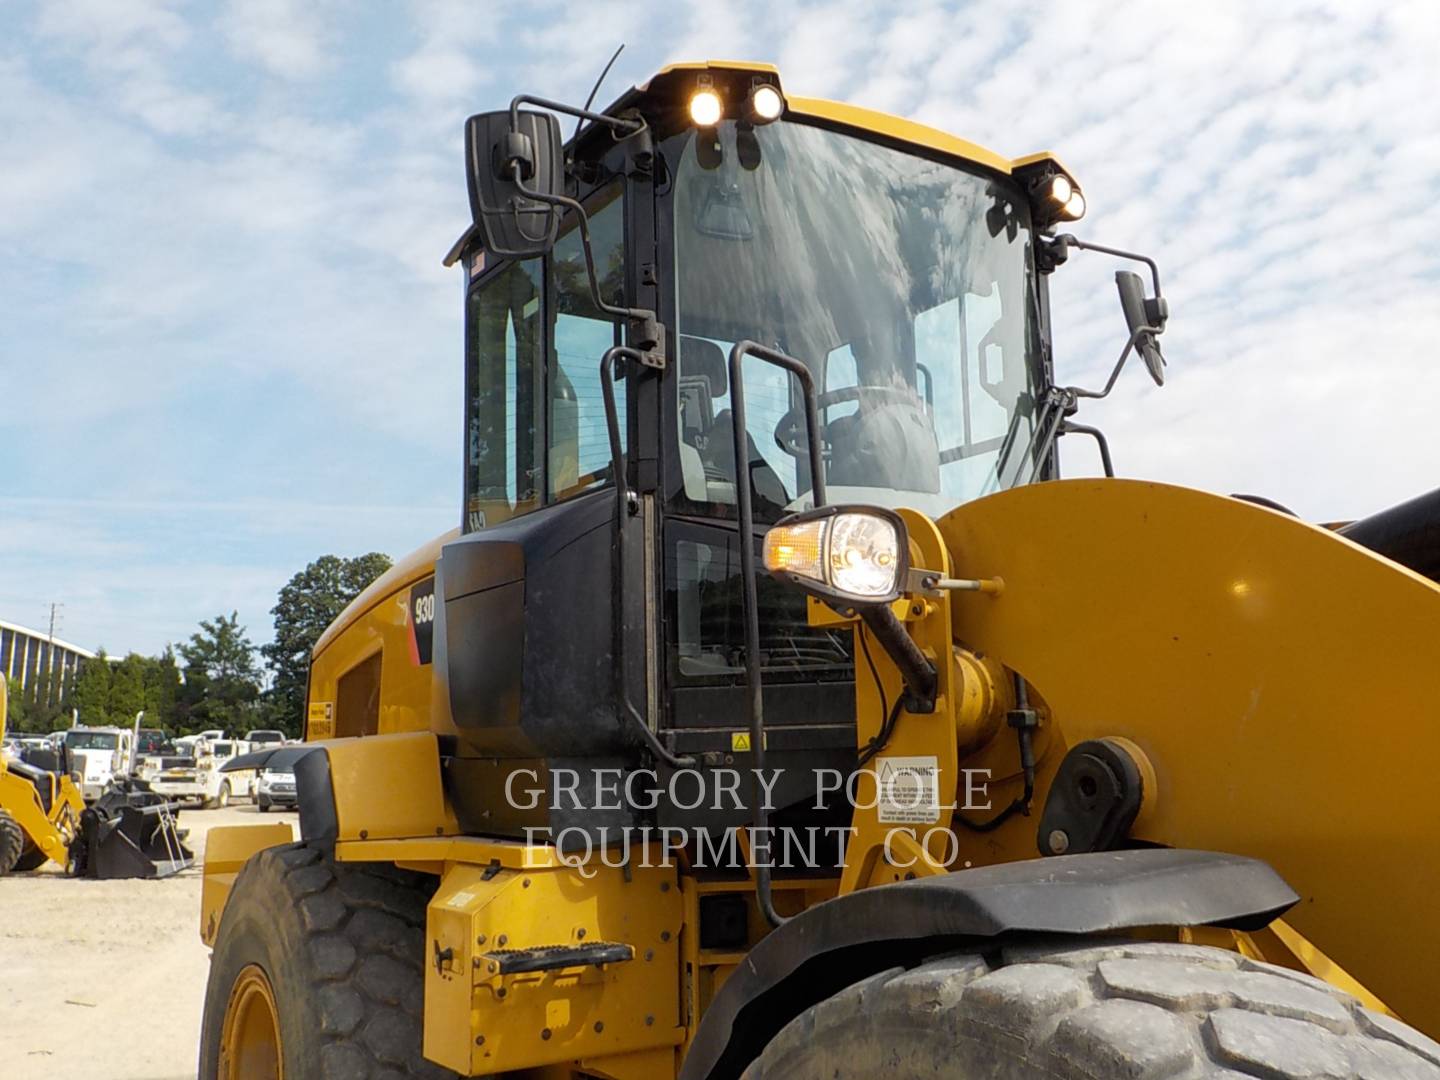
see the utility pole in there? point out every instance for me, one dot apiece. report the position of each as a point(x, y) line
point(50, 661)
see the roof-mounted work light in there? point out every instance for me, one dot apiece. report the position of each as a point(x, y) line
point(706, 107)
point(764, 105)
point(1056, 197)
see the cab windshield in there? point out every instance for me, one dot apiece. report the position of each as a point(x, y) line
point(902, 283)
point(91, 740)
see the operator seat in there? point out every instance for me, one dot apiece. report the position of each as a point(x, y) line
point(703, 380)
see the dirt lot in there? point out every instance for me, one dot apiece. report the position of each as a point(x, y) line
point(105, 979)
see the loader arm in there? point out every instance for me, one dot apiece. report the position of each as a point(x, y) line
point(1279, 678)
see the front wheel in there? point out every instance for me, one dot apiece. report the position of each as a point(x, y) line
point(318, 972)
point(1094, 1009)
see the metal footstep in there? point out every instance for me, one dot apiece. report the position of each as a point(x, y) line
point(554, 957)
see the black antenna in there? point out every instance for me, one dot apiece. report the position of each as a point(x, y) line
point(596, 89)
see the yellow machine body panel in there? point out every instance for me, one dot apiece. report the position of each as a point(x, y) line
point(388, 787)
point(1279, 678)
point(370, 671)
point(227, 849)
point(481, 1019)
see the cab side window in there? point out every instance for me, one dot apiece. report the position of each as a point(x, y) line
point(579, 443)
point(504, 447)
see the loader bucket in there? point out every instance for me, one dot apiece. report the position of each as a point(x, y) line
point(131, 835)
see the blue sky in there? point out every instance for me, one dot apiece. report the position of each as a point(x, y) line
point(227, 345)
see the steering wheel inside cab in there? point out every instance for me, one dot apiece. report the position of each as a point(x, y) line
point(790, 431)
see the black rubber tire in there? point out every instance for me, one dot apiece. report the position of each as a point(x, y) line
point(263, 806)
point(31, 858)
point(1095, 1010)
point(12, 842)
point(343, 946)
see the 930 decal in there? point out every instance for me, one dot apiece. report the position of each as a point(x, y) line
point(422, 621)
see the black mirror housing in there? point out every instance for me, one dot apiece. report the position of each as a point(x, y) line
point(1145, 318)
point(511, 224)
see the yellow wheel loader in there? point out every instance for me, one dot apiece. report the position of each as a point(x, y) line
point(777, 710)
point(128, 832)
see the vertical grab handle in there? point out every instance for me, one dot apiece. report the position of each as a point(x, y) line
point(751, 605)
point(617, 597)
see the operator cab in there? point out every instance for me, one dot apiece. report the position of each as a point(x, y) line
point(898, 264)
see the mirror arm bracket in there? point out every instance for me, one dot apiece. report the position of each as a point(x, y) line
point(1057, 249)
point(619, 125)
point(1080, 392)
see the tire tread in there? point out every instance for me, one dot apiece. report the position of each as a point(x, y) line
point(1095, 1010)
point(360, 979)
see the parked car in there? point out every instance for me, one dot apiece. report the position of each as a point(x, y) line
point(264, 737)
point(277, 788)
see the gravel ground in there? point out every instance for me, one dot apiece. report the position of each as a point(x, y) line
point(106, 979)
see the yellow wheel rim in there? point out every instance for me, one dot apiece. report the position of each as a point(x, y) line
point(250, 1042)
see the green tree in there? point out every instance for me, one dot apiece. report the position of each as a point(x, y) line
point(308, 603)
point(16, 713)
point(91, 695)
point(162, 690)
point(221, 678)
point(127, 690)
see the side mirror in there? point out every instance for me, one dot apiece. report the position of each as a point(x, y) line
point(511, 224)
point(1142, 314)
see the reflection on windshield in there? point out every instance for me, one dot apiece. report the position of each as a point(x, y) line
point(90, 740)
point(900, 281)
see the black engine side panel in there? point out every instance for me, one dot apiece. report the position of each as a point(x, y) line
point(526, 637)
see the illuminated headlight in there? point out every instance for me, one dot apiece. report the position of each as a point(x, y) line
point(1074, 208)
point(706, 108)
point(765, 104)
point(852, 554)
point(1060, 189)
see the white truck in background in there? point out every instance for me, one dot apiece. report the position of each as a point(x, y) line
point(99, 755)
point(196, 777)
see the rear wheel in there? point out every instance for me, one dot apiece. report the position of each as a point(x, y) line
point(318, 967)
point(1095, 1009)
point(12, 842)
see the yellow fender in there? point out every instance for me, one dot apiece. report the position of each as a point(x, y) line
point(1280, 678)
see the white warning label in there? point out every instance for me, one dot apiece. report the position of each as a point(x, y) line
point(909, 790)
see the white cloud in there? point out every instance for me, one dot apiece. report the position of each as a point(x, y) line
point(448, 65)
point(288, 38)
point(129, 48)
